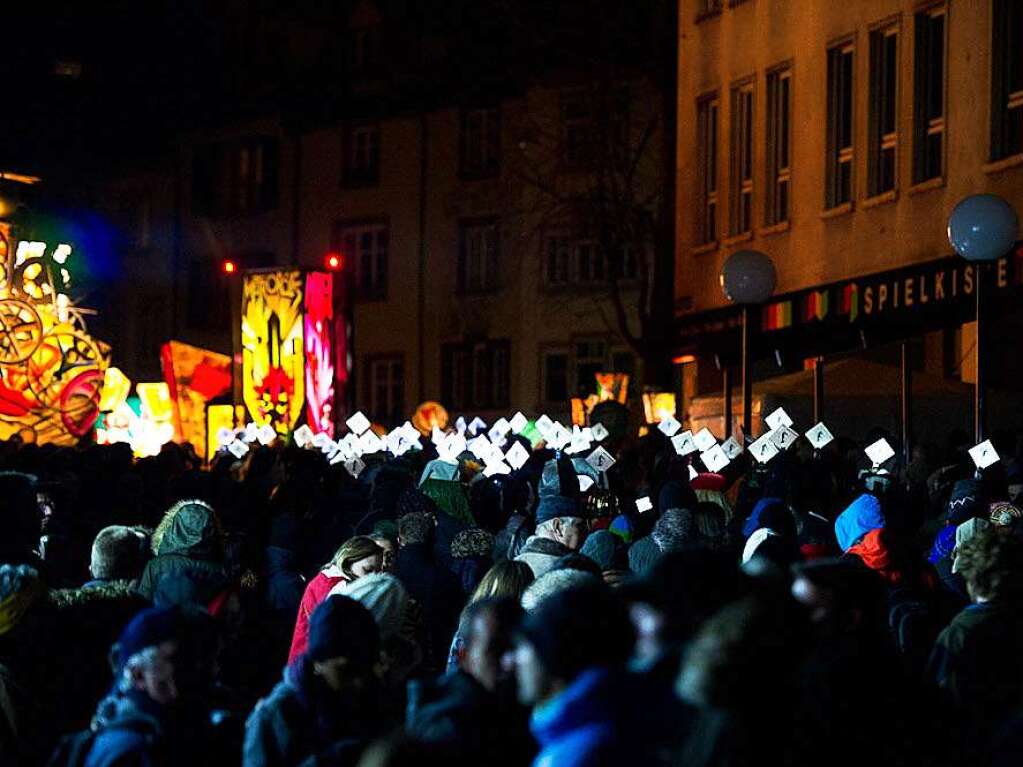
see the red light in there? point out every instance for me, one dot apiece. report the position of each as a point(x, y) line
point(229, 267)
point(332, 262)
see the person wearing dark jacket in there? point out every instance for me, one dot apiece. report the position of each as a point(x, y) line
point(325, 705)
point(156, 713)
point(569, 658)
point(434, 587)
point(472, 711)
point(188, 568)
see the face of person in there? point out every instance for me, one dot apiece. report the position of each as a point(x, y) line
point(341, 676)
point(156, 678)
point(387, 562)
point(367, 565)
point(534, 684)
point(484, 650)
point(572, 532)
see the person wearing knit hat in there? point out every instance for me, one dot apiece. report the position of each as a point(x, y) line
point(560, 526)
point(569, 659)
point(621, 527)
point(471, 554)
point(968, 500)
point(606, 549)
point(328, 693)
point(157, 709)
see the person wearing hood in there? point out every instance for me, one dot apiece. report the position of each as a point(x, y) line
point(472, 710)
point(156, 712)
point(569, 661)
point(22, 520)
point(118, 557)
point(858, 519)
point(676, 530)
point(188, 568)
point(560, 525)
point(327, 703)
point(433, 586)
point(356, 558)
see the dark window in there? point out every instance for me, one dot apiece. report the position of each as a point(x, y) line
point(779, 139)
point(929, 95)
point(883, 117)
point(557, 260)
point(555, 377)
point(590, 359)
point(362, 156)
point(741, 219)
point(476, 375)
point(478, 251)
point(578, 129)
point(208, 297)
point(1007, 79)
point(385, 389)
point(480, 142)
point(840, 125)
point(236, 177)
point(366, 246)
point(707, 142)
point(364, 50)
point(205, 174)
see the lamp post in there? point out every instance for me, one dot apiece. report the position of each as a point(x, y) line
point(748, 279)
point(981, 229)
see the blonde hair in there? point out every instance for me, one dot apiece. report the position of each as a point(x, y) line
point(351, 551)
point(505, 579)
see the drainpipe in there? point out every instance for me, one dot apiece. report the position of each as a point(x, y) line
point(424, 163)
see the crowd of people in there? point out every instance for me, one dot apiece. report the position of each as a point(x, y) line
point(276, 611)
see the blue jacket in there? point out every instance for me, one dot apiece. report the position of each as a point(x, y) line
point(859, 518)
point(590, 723)
point(753, 523)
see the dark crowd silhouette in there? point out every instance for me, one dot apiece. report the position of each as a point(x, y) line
point(277, 611)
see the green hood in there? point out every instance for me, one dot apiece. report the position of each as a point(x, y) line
point(450, 498)
point(189, 529)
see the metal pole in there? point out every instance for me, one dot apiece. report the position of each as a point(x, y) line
point(747, 380)
point(726, 375)
point(907, 405)
point(979, 404)
point(818, 389)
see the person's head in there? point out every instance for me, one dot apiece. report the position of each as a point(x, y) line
point(384, 596)
point(490, 625)
point(991, 562)
point(167, 655)
point(416, 528)
point(358, 557)
point(578, 629)
point(344, 644)
point(506, 578)
point(118, 553)
point(20, 588)
point(472, 543)
point(841, 597)
point(568, 531)
point(676, 530)
point(554, 582)
point(388, 547)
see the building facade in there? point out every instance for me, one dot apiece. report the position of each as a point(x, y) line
point(836, 138)
point(474, 283)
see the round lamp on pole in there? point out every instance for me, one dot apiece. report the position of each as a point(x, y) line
point(981, 228)
point(748, 278)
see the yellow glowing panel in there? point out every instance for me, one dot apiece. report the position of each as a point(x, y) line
point(116, 388)
point(657, 406)
point(217, 417)
point(612, 386)
point(273, 380)
point(157, 404)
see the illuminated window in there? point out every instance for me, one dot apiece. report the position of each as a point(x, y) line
point(707, 185)
point(362, 156)
point(741, 218)
point(779, 141)
point(385, 389)
point(882, 150)
point(366, 246)
point(929, 72)
point(476, 375)
point(479, 245)
point(1007, 79)
point(480, 142)
point(840, 125)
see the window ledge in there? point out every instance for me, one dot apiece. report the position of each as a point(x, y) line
point(1005, 163)
point(880, 199)
point(781, 226)
point(928, 185)
point(707, 247)
point(737, 238)
point(838, 210)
